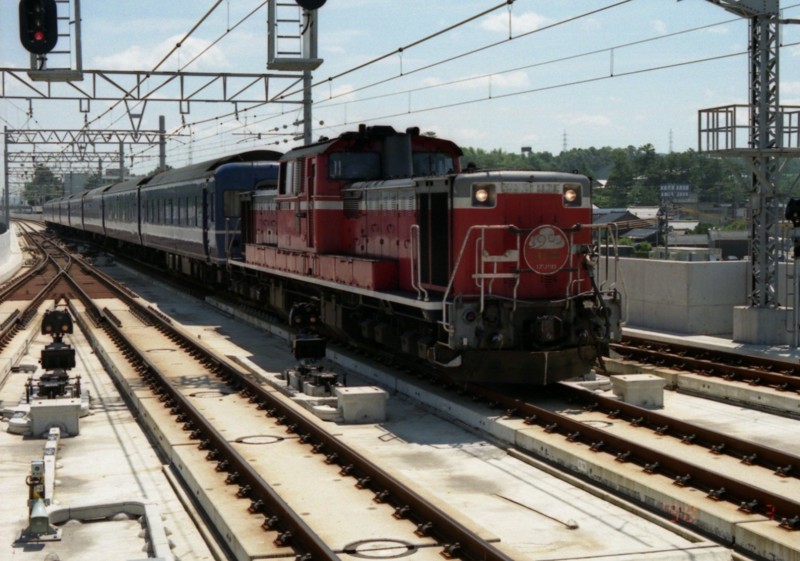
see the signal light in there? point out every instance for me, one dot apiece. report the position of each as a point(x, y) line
point(38, 25)
point(310, 4)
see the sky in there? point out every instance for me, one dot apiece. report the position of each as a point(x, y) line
point(544, 74)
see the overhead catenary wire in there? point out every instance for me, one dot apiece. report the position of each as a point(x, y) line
point(224, 119)
point(284, 95)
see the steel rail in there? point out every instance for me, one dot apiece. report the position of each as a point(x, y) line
point(750, 453)
point(733, 367)
point(747, 497)
point(457, 540)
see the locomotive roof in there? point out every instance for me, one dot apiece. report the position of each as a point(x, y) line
point(526, 175)
point(363, 132)
point(204, 169)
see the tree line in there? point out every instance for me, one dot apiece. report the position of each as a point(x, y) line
point(635, 175)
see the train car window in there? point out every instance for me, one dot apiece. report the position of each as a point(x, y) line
point(432, 163)
point(353, 166)
point(231, 201)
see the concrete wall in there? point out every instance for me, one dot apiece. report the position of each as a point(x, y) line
point(10, 257)
point(683, 297)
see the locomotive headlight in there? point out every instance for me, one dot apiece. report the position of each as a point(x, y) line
point(483, 194)
point(572, 195)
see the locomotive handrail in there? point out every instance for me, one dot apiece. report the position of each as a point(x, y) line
point(416, 255)
point(229, 239)
point(480, 261)
point(483, 228)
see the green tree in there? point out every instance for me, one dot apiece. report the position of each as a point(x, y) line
point(43, 187)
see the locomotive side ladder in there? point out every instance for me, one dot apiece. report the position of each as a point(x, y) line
point(482, 260)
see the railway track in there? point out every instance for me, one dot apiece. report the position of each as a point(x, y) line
point(751, 370)
point(175, 368)
point(686, 468)
point(675, 469)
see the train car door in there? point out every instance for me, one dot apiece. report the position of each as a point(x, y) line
point(434, 229)
point(308, 194)
point(206, 214)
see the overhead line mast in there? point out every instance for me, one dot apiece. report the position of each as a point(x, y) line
point(772, 135)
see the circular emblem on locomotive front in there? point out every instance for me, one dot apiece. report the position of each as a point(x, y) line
point(546, 249)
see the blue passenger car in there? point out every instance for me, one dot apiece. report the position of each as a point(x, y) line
point(93, 210)
point(194, 211)
point(121, 211)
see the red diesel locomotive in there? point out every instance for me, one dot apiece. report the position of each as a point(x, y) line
point(487, 274)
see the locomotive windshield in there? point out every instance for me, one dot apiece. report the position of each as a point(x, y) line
point(432, 163)
point(352, 166)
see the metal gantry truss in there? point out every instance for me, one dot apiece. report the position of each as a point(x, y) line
point(59, 75)
point(772, 137)
point(81, 151)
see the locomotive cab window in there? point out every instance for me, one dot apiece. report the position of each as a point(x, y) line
point(352, 166)
point(432, 163)
point(291, 177)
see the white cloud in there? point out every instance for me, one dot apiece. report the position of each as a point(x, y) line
point(520, 23)
point(138, 57)
point(660, 27)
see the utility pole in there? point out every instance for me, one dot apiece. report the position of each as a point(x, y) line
point(6, 198)
point(162, 146)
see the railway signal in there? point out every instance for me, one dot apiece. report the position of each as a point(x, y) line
point(38, 25)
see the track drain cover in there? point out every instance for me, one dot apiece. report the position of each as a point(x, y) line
point(209, 394)
point(259, 439)
point(380, 549)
